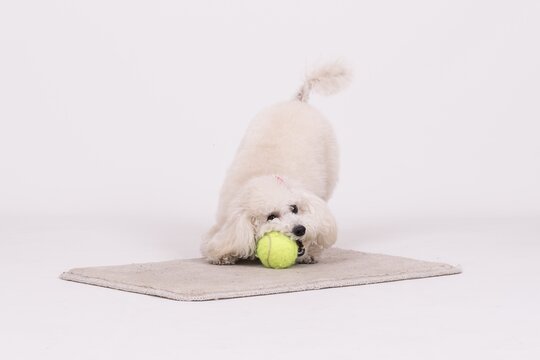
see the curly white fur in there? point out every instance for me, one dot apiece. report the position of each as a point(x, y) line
point(286, 166)
point(325, 80)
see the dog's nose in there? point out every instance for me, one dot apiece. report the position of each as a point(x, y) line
point(299, 230)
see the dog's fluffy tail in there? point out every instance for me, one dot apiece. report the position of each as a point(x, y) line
point(325, 80)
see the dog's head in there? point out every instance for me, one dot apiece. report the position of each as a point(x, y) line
point(272, 203)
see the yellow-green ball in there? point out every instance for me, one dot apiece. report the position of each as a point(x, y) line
point(276, 250)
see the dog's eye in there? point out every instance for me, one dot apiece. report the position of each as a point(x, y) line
point(271, 217)
point(294, 209)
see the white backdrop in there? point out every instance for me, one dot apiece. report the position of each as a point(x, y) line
point(131, 107)
point(119, 118)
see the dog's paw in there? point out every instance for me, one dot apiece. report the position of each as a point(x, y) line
point(306, 259)
point(225, 260)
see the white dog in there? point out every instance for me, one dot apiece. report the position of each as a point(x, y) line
point(284, 172)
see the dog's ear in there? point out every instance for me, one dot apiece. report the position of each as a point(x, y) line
point(234, 237)
point(324, 222)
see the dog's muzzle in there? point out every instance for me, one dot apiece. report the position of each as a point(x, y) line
point(301, 250)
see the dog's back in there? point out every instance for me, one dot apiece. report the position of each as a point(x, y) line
point(292, 139)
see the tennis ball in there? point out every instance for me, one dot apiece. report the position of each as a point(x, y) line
point(276, 250)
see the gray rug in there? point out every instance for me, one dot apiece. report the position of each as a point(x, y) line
point(196, 280)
